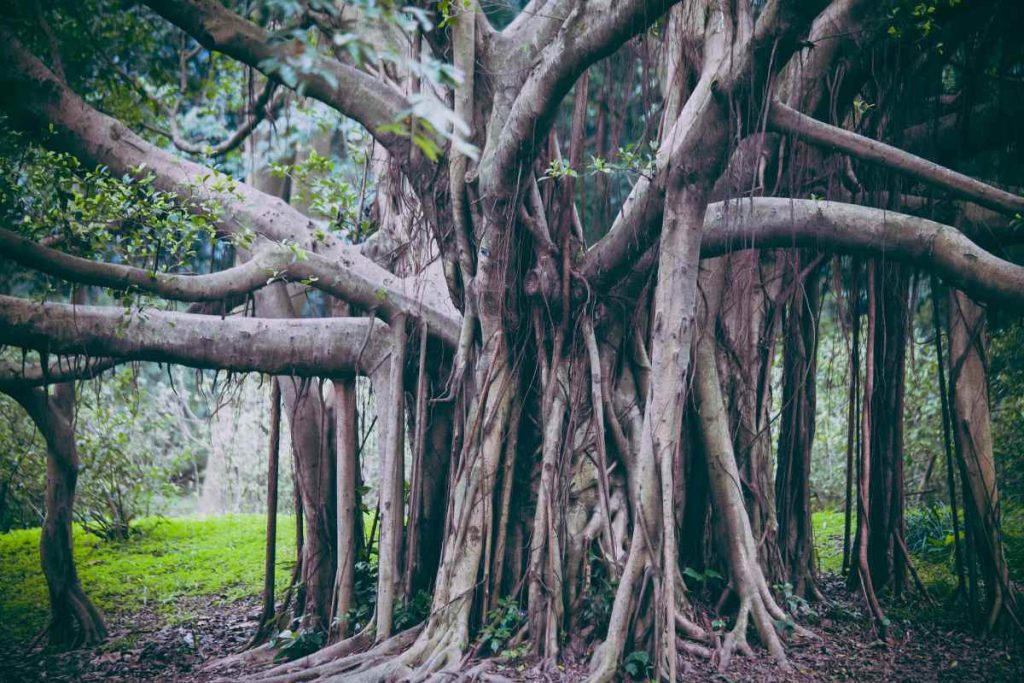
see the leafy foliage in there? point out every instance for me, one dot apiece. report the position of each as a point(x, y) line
point(930, 532)
point(503, 623)
point(121, 443)
point(638, 665)
point(319, 185)
point(292, 644)
point(702, 580)
point(92, 213)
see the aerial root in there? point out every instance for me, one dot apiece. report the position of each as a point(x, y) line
point(760, 608)
point(690, 648)
point(256, 656)
point(91, 628)
point(778, 613)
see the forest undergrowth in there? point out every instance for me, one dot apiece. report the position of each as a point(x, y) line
point(181, 592)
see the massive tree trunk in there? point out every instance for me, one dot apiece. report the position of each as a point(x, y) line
point(74, 620)
point(972, 432)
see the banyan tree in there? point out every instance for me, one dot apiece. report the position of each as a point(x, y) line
point(599, 226)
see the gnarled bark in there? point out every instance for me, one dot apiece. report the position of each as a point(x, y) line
point(74, 620)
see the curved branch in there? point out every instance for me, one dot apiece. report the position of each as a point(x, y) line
point(355, 93)
point(787, 120)
point(103, 141)
point(765, 223)
point(326, 347)
point(638, 223)
point(267, 105)
point(586, 36)
point(269, 263)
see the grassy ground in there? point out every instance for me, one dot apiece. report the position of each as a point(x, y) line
point(221, 558)
point(933, 562)
point(169, 559)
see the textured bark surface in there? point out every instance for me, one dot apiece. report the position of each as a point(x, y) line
point(886, 525)
point(972, 431)
point(796, 430)
point(74, 621)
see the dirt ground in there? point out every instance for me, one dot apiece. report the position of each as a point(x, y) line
point(935, 644)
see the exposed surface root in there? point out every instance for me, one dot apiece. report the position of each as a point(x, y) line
point(347, 655)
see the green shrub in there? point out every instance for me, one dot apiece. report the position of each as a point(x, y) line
point(503, 623)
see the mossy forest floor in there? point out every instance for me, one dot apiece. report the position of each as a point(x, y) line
point(184, 591)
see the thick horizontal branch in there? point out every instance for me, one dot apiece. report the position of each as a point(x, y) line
point(323, 347)
point(355, 94)
point(941, 249)
point(270, 262)
point(235, 281)
point(787, 120)
point(100, 140)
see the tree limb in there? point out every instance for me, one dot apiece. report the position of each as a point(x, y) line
point(327, 347)
point(357, 94)
point(770, 222)
point(103, 141)
point(19, 376)
point(582, 39)
point(270, 262)
point(787, 120)
point(267, 105)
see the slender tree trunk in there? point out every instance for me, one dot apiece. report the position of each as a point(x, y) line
point(886, 437)
point(973, 433)
point(74, 620)
point(270, 556)
point(853, 413)
point(863, 574)
point(391, 405)
point(346, 480)
point(947, 440)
